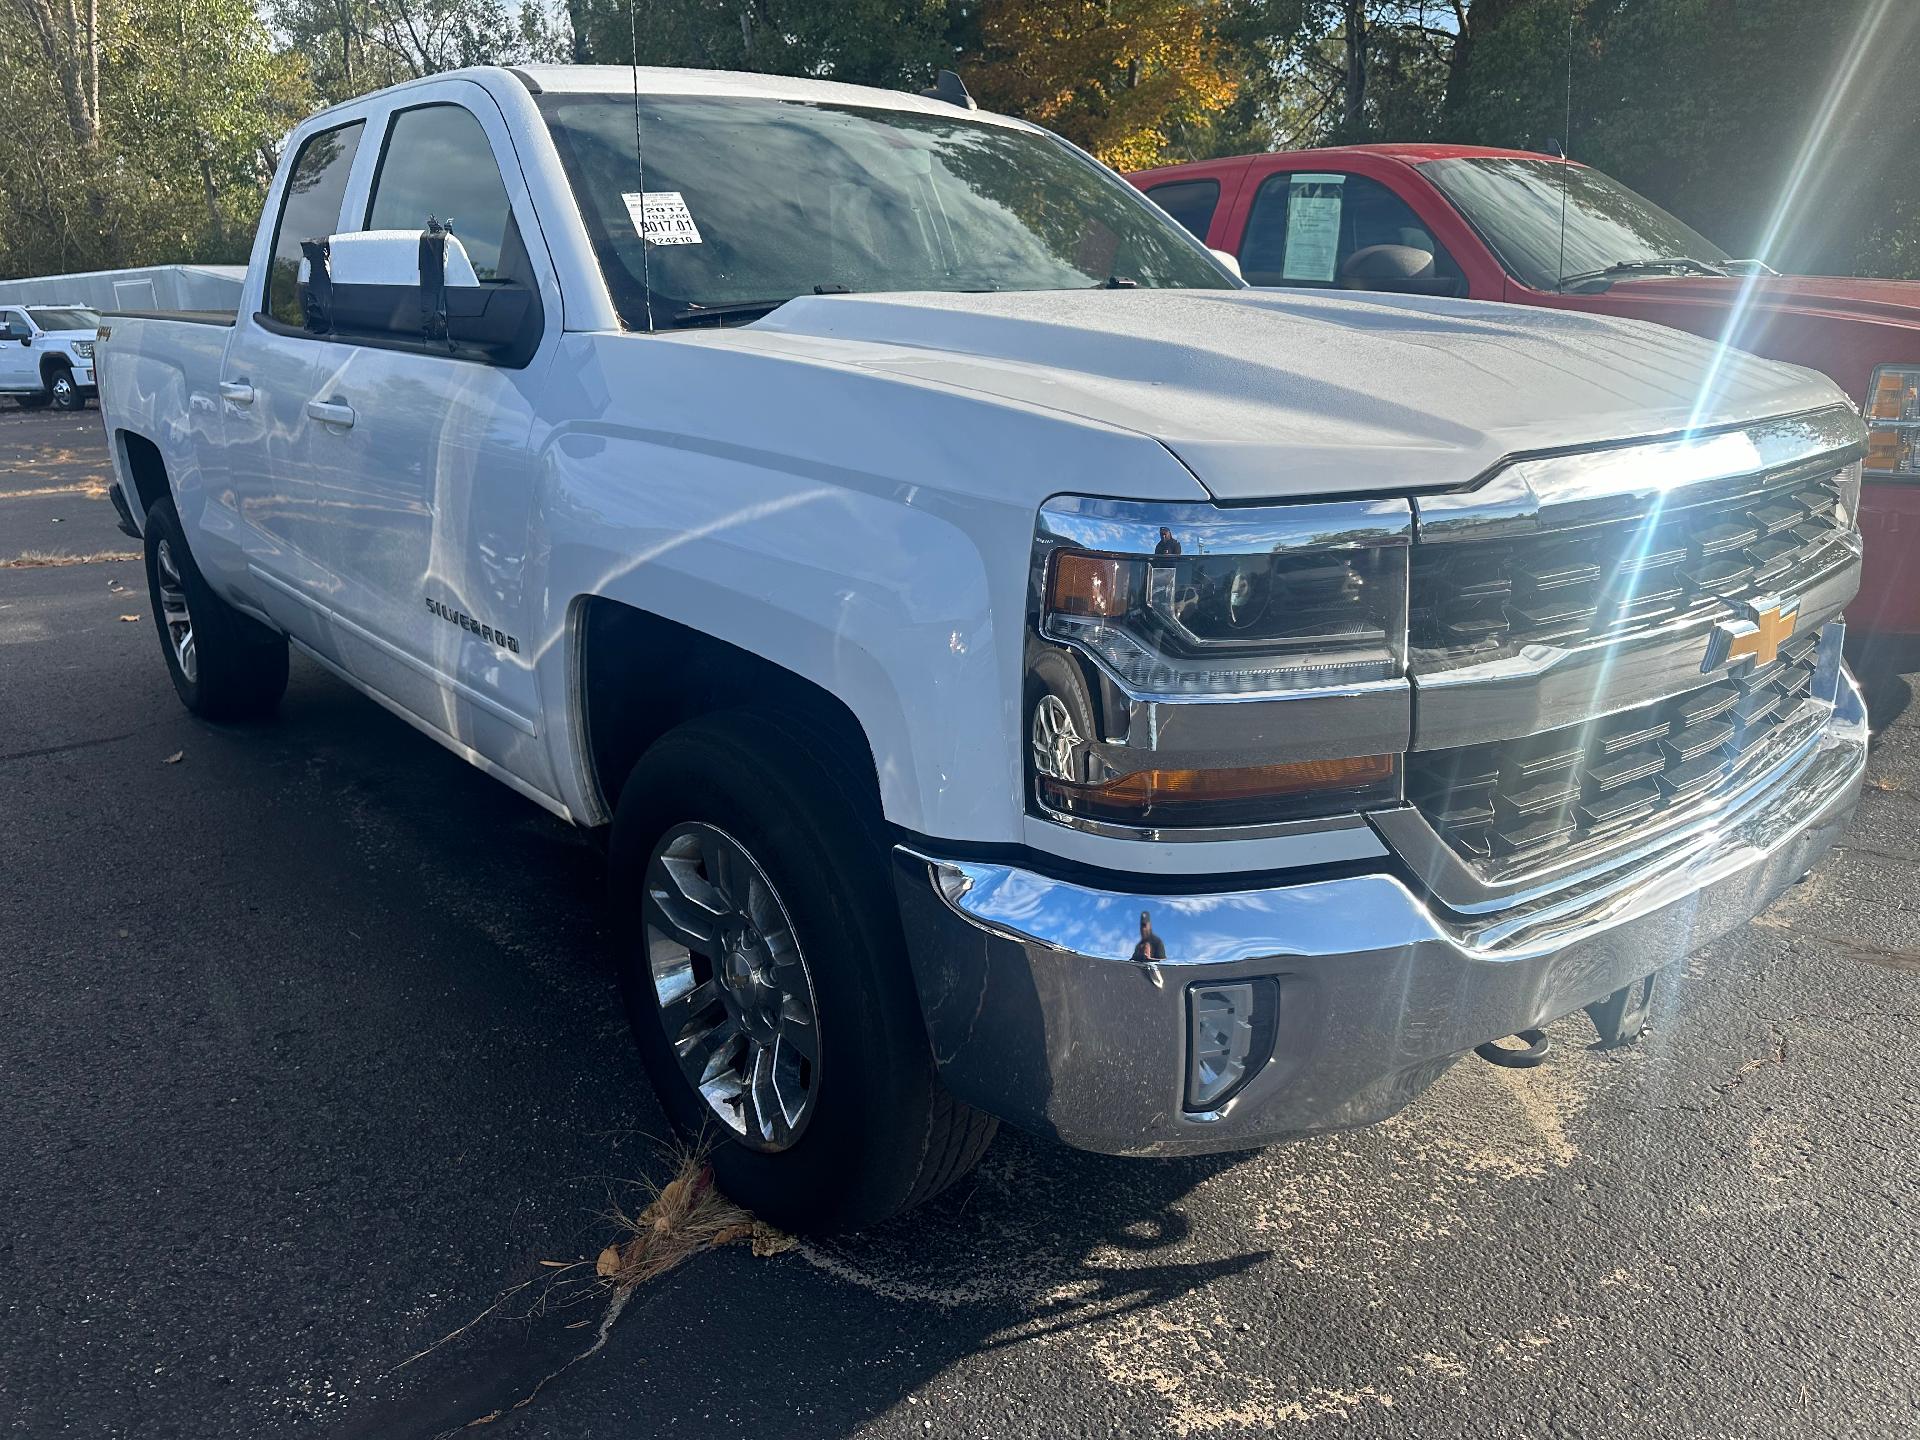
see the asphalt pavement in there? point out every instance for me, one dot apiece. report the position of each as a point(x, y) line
point(310, 1051)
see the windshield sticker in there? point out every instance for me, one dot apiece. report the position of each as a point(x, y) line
point(662, 217)
point(1313, 227)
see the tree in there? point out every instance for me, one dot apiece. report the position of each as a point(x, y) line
point(359, 45)
point(896, 44)
point(68, 38)
point(184, 104)
point(1115, 76)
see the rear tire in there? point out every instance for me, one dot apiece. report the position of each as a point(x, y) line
point(225, 665)
point(861, 1128)
point(63, 390)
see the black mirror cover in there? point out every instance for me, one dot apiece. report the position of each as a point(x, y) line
point(433, 280)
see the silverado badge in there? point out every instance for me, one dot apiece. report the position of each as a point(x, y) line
point(1768, 626)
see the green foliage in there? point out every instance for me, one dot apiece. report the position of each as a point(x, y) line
point(140, 132)
point(193, 96)
point(893, 43)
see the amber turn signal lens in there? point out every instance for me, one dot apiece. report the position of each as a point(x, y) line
point(1091, 585)
point(1883, 450)
point(1894, 395)
point(1219, 796)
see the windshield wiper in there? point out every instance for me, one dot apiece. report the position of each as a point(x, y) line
point(697, 312)
point(692, 313)
point(1643, 267)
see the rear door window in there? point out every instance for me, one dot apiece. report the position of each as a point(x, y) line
point(1191, 202)
point(309, 210)
point(1307, 225)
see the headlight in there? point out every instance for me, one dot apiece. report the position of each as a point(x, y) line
point(1220, 603)
point(1893, 423)
point(1198, 666)
point(83, 349)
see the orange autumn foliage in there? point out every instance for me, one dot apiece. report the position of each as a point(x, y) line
point(1110, 75)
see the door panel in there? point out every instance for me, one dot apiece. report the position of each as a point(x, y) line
point(264, 386)
point(420, 458)
point(17, 361)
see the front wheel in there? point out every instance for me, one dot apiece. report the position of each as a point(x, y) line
point(63, 390)
point(766, 980)
point(224, 665)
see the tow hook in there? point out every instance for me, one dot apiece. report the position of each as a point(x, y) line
point(1516, 1057)
point(1622, 1015)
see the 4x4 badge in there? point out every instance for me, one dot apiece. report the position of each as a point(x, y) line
point(1768, 626)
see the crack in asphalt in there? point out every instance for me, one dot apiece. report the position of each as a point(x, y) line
point(73, 745)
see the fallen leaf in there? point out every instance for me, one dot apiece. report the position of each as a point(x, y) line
point(129, 617)
point(175, 758)
point(609, 1262)
point(556, 1264)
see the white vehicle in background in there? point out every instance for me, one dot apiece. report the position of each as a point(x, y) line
point(46, 355)
point(1019, 671)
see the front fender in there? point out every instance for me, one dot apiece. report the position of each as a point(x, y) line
point(845, 587)
point(869, 533)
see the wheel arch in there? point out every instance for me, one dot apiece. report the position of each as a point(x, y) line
point(144, 467)
point(624, 653)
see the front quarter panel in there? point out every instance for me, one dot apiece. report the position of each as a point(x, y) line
point(870, 534)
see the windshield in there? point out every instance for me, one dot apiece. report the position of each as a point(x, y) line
point(1515, 204)
point(64, 319)
point(750, 202)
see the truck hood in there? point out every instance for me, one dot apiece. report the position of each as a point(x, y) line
point(1894, 302)
point(1268, 394)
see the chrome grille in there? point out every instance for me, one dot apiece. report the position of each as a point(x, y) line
point(1608, 579)
point(1517, 800)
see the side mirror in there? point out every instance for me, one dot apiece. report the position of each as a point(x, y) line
point(1230, 260)
point(414, 285)
point(26, 340)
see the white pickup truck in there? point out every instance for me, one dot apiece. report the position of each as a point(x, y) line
point(1020, 672)
point(46, 355)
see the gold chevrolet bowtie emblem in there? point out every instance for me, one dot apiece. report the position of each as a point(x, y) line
point(1768, 626)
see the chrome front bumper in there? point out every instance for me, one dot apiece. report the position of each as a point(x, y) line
point(1039, 1013)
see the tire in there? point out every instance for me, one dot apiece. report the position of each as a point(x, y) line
point(875, 1133)
point(62, 390)
point(38, 401)
point(225, 665)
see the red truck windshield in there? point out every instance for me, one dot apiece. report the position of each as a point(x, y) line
point(750, 202)
point(1516, 206)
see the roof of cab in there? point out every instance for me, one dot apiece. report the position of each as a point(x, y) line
point(661, 80)
point(1410, 152)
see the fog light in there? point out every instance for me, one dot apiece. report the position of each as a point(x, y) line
point(1229, 1030)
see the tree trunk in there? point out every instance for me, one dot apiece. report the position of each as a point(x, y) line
point(578, 21)
point(1476, 20)
point(70, 43)
point(1353, 98)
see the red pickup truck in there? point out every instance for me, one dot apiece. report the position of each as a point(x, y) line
point(1540, 230)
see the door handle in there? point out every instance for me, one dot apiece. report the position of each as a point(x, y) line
point(331, 412)
point(238, 391)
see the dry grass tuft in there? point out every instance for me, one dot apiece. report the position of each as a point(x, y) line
point(685, 1216)
point(38, 559)
point(681, 1219)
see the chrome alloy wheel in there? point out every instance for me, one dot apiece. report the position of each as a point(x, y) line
point(174, 613)
point(735, 995)
point(63, 390)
